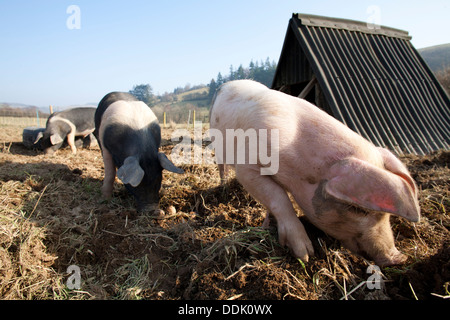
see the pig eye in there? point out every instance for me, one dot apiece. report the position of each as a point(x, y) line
point(350, 208)
point(359, 211)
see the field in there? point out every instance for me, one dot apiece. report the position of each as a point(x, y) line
point(208, 244)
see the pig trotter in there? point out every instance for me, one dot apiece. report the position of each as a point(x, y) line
point(293, 235)
point(266, 222)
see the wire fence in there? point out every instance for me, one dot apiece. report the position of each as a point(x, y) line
point(23, 121)
point(166, 119)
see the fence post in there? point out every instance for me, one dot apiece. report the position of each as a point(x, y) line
point(51, 109)
point(164, 117)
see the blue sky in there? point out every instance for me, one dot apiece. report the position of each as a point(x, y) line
point(165, 43)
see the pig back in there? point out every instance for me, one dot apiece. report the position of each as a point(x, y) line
point(107, 100)
point(81, 118)
point(309, 138)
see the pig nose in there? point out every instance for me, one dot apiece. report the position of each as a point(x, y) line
point(394, 257)
point(49, 152)
point(148, 208)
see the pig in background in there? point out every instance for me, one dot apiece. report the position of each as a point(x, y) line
point(30, 134)
point(129, 136)
point(63, 126)
point(344, 185)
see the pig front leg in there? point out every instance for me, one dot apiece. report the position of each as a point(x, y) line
point(291, 231)
point(71, 141)
point(110, 174)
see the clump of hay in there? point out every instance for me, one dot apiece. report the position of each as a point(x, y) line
point(25, 271)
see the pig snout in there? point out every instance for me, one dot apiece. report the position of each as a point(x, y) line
point(147, 207)
point(146, 197)
point(391, 258)
point(50, 151)
point(374, 239)
point(377, 246)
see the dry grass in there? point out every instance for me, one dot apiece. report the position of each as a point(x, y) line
point(207, 245)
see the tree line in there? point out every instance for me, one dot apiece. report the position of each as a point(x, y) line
point(261, 71)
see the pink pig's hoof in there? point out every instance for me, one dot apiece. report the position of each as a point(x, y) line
point(266, 222)
point(301, 249)
point(294, 236)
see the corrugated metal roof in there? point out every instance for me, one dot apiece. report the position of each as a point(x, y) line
point(373, 80)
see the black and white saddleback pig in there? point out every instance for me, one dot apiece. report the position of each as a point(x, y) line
point(129, 135)
point(71, 123)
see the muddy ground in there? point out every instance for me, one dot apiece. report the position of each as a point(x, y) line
point(208, 244)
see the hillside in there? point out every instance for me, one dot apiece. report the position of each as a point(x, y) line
point(20, 110)
point(178, 106)
point(437, 57)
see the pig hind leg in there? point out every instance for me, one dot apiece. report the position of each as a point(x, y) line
point(223, 172)
point(110, 174)
point(291, 231)
point(266, 222)
point(221, 165)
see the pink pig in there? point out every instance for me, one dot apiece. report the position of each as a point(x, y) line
point(344, 184)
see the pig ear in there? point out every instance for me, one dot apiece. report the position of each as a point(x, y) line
point(394, 165)
point(167, 164)
point(364, 185)
point(56, 138)
point(38, 137)
point(131, 172)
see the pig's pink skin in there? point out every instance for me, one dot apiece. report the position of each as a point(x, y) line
point(343, 183)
